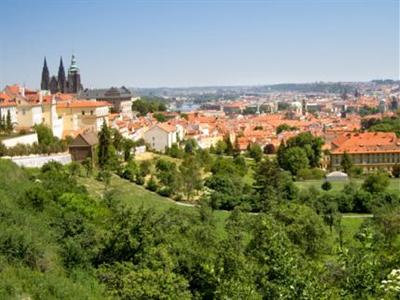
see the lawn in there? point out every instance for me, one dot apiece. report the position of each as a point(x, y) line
point(394, 185)
point(135, 196)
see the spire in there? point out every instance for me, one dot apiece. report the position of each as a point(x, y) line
point(61, 77)
point(74, 78)
point(73, 68)
point(44, 85)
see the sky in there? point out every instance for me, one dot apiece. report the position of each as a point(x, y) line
point(200, 43)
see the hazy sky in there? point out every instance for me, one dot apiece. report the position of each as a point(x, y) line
point(192, 43)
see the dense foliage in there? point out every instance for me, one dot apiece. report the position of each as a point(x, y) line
point(387, 124)
point(57, 241)
point(148, 104)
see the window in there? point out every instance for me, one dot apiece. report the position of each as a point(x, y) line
point(91, 112)
point(83, 112)
point(24, 111)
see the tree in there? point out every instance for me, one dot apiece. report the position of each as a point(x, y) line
point(311, 146)
point(376, 183)
point(229, 146)
point(346, 163)
point(117, 139)
point(294, 159)
point(191, 177)
point(284, 127)
point(396, 171)
point(45, 135)
point(272, 184)
point(303, 227)
point(269, 149)
point(88, 165)
point(220, 147)
point(127, 145)
point(190, 146)
point(255, 152)
point(326, 186)
point(9, 126)
point(104, 145)
point(74, 169)
point(105, 176)
point(174, 151)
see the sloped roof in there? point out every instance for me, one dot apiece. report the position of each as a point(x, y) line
point(366, 142)
point(90, 138)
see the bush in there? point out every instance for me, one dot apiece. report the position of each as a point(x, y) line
point(308, 174)
point(139, 179)
point(396, 171)
point(152, 184)
point(326, 186)
point(165, 191)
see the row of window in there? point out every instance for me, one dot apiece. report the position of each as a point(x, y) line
point(371, 158)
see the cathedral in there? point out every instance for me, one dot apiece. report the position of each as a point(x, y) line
point(71, 84)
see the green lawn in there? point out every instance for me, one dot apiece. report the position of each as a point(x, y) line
point(135, 196)
point(394, 185)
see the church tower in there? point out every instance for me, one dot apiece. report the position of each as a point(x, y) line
point(44, 85)
point(74, 78)
point(61, 77)
point(53, 85)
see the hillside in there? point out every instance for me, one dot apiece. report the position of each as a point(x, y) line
point(67, 236)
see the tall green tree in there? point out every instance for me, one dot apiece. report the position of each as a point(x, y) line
point(104, 145)
point(191, 177)
point(346, 163)
point(9, 126)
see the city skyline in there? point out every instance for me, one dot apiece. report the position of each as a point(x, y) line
point(193, 43)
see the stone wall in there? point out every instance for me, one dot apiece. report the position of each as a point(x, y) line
point(37, 161)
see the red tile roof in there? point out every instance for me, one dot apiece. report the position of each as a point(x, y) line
point(367, 142)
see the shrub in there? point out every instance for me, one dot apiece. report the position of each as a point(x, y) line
point(326, 186)
point(152, 184)
point(139, 179)
point(396, 171)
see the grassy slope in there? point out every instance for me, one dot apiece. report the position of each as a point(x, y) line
point(135, 196)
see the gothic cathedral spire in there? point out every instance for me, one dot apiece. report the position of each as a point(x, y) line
point(44, 85)
point(61, 77)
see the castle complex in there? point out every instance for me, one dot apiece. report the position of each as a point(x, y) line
point(71, 84)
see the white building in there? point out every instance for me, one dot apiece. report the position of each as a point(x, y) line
point(161, 136)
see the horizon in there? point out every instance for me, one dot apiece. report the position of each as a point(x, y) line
point(201, 44)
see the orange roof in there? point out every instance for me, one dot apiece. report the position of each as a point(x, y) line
point(6, 100)
point(366, 142)
point(82, 103)
point(166, 127)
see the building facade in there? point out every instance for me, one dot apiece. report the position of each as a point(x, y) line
point(370, 151)
point(161, 136)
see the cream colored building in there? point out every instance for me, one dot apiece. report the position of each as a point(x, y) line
point(161, 136)
point(28, 114)
point(83, 114)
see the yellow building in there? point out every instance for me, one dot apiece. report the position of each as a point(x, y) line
point(80, 114)
point(369, 150)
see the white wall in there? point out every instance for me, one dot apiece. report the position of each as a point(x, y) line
point(37, 161)
point(28, 139)
point(158, 139)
